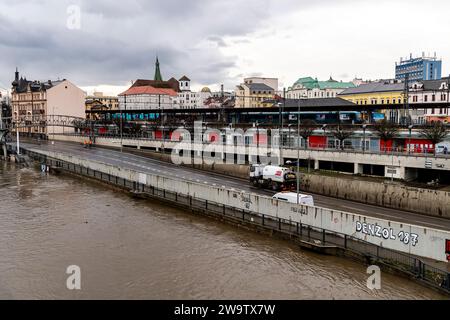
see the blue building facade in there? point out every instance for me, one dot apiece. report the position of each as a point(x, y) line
point(418, 69)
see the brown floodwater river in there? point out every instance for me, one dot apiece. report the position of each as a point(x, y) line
point(139, 249)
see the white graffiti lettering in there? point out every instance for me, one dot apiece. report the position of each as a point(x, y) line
point(378, 231)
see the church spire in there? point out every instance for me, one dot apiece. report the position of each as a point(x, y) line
point(158, 76)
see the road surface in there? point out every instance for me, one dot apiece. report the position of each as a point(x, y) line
point(147, 165)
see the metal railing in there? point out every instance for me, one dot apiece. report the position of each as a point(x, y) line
point(287, 146)
point(405, 263)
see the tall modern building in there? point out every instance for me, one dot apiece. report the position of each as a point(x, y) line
point(418, 69)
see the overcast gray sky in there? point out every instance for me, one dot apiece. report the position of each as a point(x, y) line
point(218, 41)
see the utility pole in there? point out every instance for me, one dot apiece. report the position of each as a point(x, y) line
point(17, 137)
point(298, 154)
point(282, 126)
point(121, 122)
point(162, 122)
point(364, 127)
point(406, 100)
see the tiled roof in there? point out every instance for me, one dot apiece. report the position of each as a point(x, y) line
point(35, 86)
point(149, 90)
point(434, 84)
point(259, 87)
point(335, 85)
point(184, 78)
point(171, 84)
point(374, 87)
point(310, 83)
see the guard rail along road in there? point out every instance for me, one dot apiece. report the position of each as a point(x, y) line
point(377, 237)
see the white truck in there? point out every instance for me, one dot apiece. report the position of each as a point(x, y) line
point(291, 197)
point(272, 177)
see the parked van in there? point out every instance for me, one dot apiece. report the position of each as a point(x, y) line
point(291, 197)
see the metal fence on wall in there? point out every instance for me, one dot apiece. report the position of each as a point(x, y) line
point(405, 263)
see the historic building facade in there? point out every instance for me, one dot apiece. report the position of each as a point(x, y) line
point(309, 88)
point(385, 92)
point(432, 91)
point(159, 94)
point(254, 91)
point(35, 99)
point(100, 102)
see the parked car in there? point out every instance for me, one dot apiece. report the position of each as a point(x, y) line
point(291, 197)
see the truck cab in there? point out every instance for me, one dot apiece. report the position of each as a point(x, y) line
point(273, 177)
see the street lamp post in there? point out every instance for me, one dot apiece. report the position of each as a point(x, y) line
point(257, 142)
point(298, 153)
point(17, 137)
point(364, 137)
point(8, 101)
point(289, 136)
point(324, 127)
point(410, 127)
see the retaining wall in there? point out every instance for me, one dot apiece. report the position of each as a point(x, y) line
point(406, 238)
point(419, 200)
point(425, 201)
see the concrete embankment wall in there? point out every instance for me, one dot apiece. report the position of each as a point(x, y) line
point(410, 239)
point(384, 194)
point(425, 201)
point(419, 200)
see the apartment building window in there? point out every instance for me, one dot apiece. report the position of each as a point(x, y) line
point(425, 98)
point(433, 97)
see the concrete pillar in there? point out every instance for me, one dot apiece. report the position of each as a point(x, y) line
point(411, 174)
point(359, 168)
point(5, 152)
point(316, 165)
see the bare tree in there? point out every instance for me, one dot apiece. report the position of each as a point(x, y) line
point(436, 133)
point(307, 128)
point(341, 134)
point(386, 130)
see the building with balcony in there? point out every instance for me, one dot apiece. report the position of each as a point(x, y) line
point(39, 99)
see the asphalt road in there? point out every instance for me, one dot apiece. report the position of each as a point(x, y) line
point(147, 165)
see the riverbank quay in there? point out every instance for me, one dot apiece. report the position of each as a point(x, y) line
point(320, 229)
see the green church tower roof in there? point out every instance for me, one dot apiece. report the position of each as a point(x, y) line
point(158, 76)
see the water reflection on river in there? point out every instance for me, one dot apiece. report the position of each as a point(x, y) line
point(136, 249)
